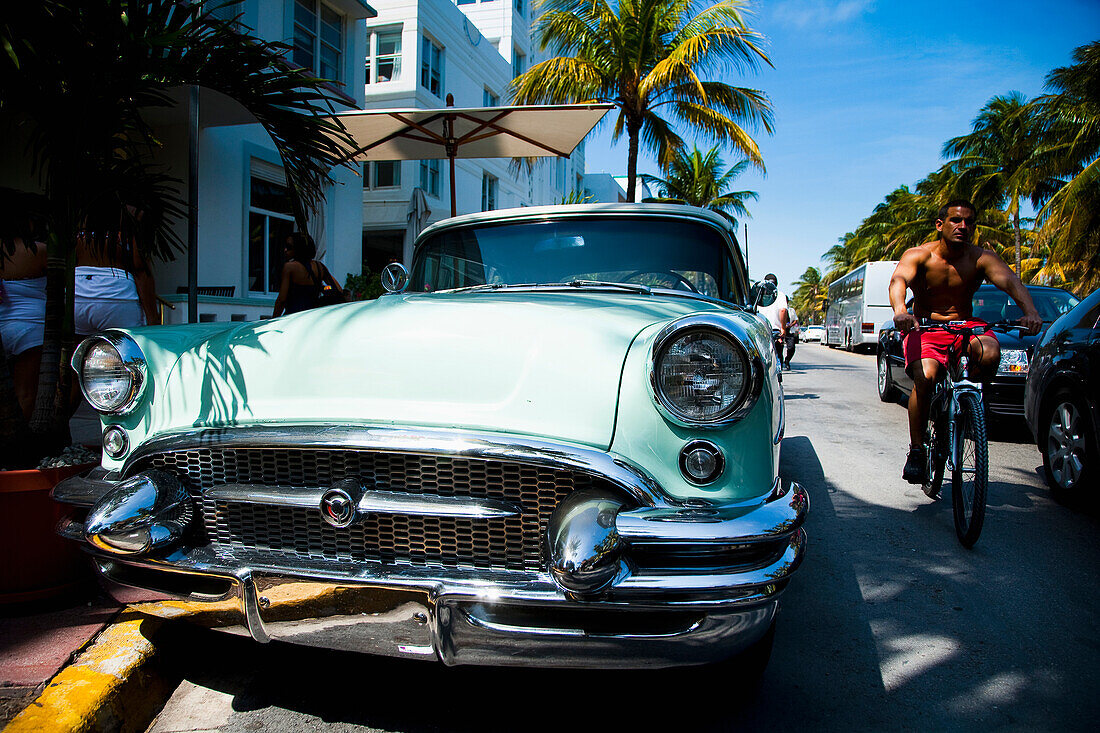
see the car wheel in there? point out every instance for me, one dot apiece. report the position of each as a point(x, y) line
point(887, 392)
point(1068, 447)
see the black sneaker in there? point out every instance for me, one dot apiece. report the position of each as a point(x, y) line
point(916, 466)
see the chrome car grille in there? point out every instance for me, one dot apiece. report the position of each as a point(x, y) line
point(512, 543)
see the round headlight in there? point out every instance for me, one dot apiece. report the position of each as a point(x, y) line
point(111, 373)
point(701, 375)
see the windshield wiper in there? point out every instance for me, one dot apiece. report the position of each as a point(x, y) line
point(631, 287)
point(486, 286)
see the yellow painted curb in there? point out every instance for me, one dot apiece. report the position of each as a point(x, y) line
point(102, 689)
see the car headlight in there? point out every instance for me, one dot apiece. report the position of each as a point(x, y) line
point(111, 371)
point(1013, 361)
point(702, 373)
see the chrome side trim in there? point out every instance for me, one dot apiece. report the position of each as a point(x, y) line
point(745, 587)
point(379, 502)
point(383, 502)
point(782, 416)
point(779, 517)
point(292, 496)
point(422, 441)
point(84, 490)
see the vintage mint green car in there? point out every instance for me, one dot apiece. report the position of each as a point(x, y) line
point(556, 442)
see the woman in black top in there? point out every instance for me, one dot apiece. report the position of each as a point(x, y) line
point(303, 277)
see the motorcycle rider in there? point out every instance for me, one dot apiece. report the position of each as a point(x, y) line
point(778, 317)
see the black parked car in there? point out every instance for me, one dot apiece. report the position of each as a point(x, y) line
point(1062, 399)
point(1004, 393)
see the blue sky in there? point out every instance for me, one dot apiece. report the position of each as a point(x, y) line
point(865, 94)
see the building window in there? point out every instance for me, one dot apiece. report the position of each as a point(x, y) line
point(318, 38)
point(431, 67)
point(559, 173)
point(488, 192)
point(466, 2)
point(385, 174)
point(429, 177)
point(520, 6)
point(384, 57)
point(488, 99)
point(519, 63)
point(270, 222)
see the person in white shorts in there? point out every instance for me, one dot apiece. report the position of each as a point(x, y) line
point(114, 288)
point(23, 317)
point(106, 297)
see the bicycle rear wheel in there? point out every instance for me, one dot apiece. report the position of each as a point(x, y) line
point(970, 478)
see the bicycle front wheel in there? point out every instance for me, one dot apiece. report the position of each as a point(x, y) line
point(970, 479)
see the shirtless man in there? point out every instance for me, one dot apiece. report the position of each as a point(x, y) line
point(943, 275)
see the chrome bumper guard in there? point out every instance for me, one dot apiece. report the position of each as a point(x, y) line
point(701, 608)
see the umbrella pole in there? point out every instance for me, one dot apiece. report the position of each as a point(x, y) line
point(454, 205)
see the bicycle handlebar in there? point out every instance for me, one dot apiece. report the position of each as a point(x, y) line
point(927, 324)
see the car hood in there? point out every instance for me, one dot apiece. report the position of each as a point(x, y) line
point(1018, 340)
point(544, 364)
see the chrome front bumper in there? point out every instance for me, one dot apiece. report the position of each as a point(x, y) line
point(687, 585)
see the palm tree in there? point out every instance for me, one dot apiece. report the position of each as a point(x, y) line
point(646, 58)
point(809, 296)
point(77, 76)
point(842, 257)
point(1070, 221)
point(999, 158)
point(701, 179)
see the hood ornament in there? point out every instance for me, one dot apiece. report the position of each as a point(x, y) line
point(395, 278)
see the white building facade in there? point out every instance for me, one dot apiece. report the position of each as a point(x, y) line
point(386, 54)
point(418, 52)
point(244, 211)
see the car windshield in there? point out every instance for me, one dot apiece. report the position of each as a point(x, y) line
point(670, 253)
point(993, 306)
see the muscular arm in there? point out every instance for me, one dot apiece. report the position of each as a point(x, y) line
point(903, 276)
point(1001, 275)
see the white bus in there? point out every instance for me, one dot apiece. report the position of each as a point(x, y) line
point(858, 303)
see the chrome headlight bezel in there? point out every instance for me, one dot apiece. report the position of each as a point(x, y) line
point(728, 329)
point(133, 361)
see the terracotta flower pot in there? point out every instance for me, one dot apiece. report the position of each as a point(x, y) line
point(35, 563)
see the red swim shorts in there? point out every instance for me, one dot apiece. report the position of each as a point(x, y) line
point(933, 344)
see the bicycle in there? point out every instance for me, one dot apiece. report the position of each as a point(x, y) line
point(956, 433)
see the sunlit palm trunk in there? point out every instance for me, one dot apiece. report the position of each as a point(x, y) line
point(631, 161)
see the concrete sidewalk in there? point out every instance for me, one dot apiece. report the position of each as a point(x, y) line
point(78, 662)
point(37, 641)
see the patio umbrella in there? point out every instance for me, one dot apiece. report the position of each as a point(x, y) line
point(418, 218)
point(471, 132)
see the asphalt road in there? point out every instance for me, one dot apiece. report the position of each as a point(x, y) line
point(889, 624)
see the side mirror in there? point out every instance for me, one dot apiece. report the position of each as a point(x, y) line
point(763, 294)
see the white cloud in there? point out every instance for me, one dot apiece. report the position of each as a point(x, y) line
point(803, 14)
